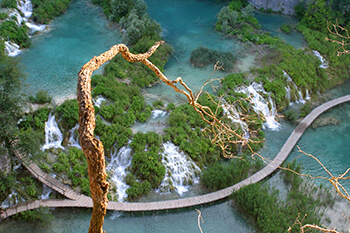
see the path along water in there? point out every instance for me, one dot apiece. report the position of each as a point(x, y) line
point(82, 201)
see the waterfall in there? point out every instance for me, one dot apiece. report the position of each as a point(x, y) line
point(299, 96)
point(98, 101)
point(46, 192)
point(158, 113)
point(232, 114)
point(53, 135)
point(181, 171)
point(11, 49)
point(74, 138)
point(117, 167)
point(25, 7)
point(10, 200)
point(260, 105)
point(324, 64)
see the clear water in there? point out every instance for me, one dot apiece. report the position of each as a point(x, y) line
point(55, 58)
point(272, 23)
point(187, 25)
point(219, 218)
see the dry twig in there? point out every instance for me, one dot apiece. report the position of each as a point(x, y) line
point(342, 37)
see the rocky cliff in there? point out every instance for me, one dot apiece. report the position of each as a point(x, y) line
point(284, 6)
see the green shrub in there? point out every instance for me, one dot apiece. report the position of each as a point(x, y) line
point(41, 97)
point(286, 28)
point(3, 15)
point(8, 3)
point(45, 10)
point(68, 112)
point(17, 34)
point(224, 174)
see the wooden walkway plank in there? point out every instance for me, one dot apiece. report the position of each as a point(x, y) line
point(79, 200)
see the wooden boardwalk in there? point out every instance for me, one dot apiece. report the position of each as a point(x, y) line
point(79, 200)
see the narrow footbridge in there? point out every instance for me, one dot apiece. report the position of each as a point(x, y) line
point(78, 200)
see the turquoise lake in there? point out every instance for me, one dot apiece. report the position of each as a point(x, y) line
point(52, 64)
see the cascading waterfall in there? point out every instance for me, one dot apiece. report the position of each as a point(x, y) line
point(74, 138)
point(46, 192)
point(53, 135)
point(12, 49)
point(299, 98)
point(260, 105)
point(120, 161)
point(232, 114)
point(26, 8)
point(158, 113)
point(181, 171)
point(12, 199)
point(98, 101)
point(324, 64)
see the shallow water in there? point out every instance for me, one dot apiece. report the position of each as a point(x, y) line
point(220, 218)
point(52, 63)
point(272, 24)
point(55, 57)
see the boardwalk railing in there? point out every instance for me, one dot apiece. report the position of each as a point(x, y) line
point(79, 200)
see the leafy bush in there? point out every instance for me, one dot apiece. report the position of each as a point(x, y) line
point(41, 97)
point(224, 174)
point(68, 112)
point(17, 34)
point(146, 160)
point(45, 10)
point(286, 28)
point(137, 189)
point(8, 3)
point(3, 15)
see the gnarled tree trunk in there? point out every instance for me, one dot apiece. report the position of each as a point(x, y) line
point(92, 147)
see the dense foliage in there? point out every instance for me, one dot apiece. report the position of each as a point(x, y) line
point(125, 105)
point(41, 97)
point(201, 57)
point(74, 166)
point(46, 10)
point(9, 30)
point(132, 16)
point(147, 171)
point(270, 213)
point(11, 100)
point(237, 19)
point(8, 4)
point(224, 174)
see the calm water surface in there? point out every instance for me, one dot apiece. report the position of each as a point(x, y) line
point(55, 58)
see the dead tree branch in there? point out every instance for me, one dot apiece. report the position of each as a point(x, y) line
point(341, 37)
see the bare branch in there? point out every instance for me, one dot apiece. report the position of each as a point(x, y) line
point(199, 220)
point(341, 36)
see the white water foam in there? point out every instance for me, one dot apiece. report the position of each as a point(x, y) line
point(53, 135)
point(11, 49)
point(260, 105)
point(98, 101)
point(231, 113)
point(299, 98)
point(46, 192)
point(12, 199)
point(74, 138)
point(324, 64)
point(120, 161)
point(158, 113)
point(181, 171)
